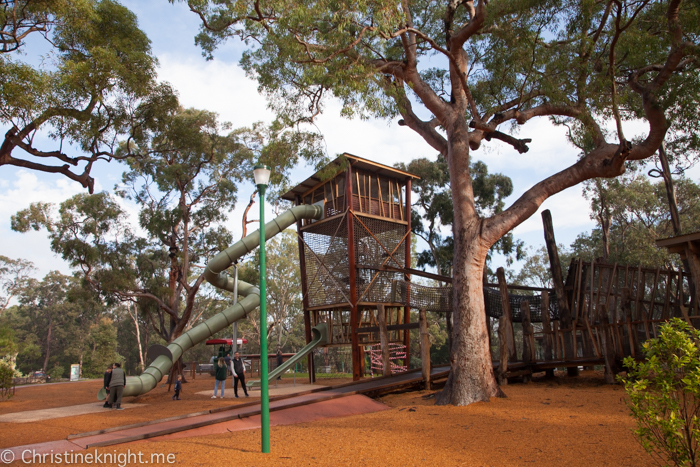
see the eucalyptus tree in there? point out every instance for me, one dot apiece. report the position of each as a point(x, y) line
point(66, 102)
point(635, 215)
point(183, 175)
point(457, 72)
point(13, 274)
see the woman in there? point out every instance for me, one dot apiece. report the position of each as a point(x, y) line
point(220, 375)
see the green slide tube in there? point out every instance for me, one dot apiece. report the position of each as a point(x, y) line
point(215, 274)
point(320, 337)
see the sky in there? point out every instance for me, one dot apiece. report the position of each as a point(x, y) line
point(220, 85)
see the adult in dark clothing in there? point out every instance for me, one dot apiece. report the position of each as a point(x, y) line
point(238, 374)
point(227, 360)
point(105, 384)
point(116, 386)
point(280, 360)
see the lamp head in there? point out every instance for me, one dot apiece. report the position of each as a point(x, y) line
point(261, 173)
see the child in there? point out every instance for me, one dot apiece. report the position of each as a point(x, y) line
point(178, 388)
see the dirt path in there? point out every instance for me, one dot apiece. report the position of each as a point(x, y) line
point(572, 422)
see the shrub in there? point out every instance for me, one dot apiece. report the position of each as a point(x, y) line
point(6, 381)
point(664, 392)
point(56, 372)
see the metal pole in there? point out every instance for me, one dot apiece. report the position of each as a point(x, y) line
point(264, 390)
point(235, 300)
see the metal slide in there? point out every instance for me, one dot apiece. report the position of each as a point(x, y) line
point(320, 337)
point(215, 274)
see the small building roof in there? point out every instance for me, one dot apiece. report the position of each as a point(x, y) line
point(327, 172)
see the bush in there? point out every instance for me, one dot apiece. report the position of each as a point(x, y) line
point(6, 381)
point(664, 392)
point(56, 372)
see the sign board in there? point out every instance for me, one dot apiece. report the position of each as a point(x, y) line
point(75, 372)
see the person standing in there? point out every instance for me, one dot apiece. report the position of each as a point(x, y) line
point(221, 375)
point(116, 386)
point(238, 374)
point(105, 384)
point(280, 360)
point(178, 388)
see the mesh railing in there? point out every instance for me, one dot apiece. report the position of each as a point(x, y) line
point(326, 256)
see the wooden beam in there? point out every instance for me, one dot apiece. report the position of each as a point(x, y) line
point(384, 340)
point(555, 266)
point(424, 346)
point(505, 306)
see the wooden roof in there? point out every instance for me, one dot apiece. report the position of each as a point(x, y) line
point(677, 244)
point(358, 163)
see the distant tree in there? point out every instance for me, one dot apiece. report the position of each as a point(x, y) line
point(632, 212)
point(284, 305)
point(183, 176)
point(536, 272)
point(44, 312)
point(13, 273)
point(84, 95)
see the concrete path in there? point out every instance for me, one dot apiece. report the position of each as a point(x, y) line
point(58, 412)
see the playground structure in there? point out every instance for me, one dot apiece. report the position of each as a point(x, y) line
point(355, 256)
point(164, 357)
point(353, 219)
point(613, 310)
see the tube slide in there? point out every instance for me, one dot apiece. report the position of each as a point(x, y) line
point(320, 337)
point(215, 275)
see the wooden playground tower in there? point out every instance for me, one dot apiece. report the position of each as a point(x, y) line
point(350, 257)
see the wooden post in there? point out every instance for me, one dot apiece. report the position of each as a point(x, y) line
point(505, 306)
point(627, 314)
point(503, 349)
point(356, 351)
point(528, 341)
point(547, 331)
point(304, 297)
point(193, 371)
point(564, 311)
point(424, 347)
point(383, 339)
point(608, 347)
point(407, 277)
point(557, 345)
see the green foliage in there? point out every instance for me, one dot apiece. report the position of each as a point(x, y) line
point(664, 394)
point(284, 306)
point(13, 273)
point(635, 212)
point(6, 380)
point(86, 91)
point(56, 372)
point(536, 270)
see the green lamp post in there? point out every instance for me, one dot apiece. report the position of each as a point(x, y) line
point(261, 174)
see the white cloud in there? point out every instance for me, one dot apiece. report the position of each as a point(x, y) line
point(18, 193)
point(216, 86)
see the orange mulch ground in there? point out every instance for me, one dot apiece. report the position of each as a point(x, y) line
point(565, 421)
point(159, 405)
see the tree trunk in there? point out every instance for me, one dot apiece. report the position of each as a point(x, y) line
point(134, 317)
point(48, 345)
point(471, 376)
